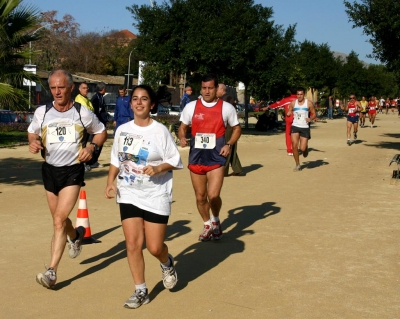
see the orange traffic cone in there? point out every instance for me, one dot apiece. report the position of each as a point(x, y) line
point(82, 219)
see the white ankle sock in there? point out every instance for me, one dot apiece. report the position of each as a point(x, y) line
point(208, 222)
point(214, 219)
point(141, 286)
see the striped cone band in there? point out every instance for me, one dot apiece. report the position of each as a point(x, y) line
point(82, 217)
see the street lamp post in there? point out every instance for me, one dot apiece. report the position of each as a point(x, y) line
point(30, 55)
point(129, 70)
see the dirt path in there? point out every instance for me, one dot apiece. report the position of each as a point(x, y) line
point(321, 243)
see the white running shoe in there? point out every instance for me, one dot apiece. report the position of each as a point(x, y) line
point(139, 297)
point(47, 279)
point(75, 247)
point(169, 275)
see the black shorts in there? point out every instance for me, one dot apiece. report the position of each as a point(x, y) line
point(131, 211)
point(304, 132)
point(56, 178)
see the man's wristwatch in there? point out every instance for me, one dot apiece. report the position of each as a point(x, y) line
point(96, 147)
point(229, 145)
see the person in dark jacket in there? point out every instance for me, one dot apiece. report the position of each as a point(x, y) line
point(232, 159)
point(101, 111)
point(123, 112)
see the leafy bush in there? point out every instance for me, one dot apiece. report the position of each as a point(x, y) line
point(167, 120)
point(13, 127)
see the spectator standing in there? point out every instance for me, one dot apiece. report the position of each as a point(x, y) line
point(123, 112)
point(232, 159)
point(100, 110)
point(82, 96)
point(288, 129)
point(83, 99)
point(185, 98)
point(329, 106)
point(57, 131)
point(208, 151)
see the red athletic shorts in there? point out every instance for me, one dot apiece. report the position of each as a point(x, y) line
point(202, 169)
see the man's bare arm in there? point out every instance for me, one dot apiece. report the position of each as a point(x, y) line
point(312, 111)
point(182, 134)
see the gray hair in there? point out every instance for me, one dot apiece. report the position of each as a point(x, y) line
point(100, 86)
point(70, 79)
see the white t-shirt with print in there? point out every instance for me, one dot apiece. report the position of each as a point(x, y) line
point(62, 132)
point(134, 148)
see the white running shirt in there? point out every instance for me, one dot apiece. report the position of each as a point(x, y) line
point(300, 113)
point(62, 133)
point(134, 148)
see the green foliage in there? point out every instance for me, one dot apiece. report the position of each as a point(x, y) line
point(316, 66)
point(16, 24)
point(152, 75)
point(379, 19)
point(235, 39)
point(352, 77)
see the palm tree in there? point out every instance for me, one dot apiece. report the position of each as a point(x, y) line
point(16, 24)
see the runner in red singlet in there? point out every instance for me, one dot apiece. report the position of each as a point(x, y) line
point(353, 108)
point(372, 110)
point(209, 117)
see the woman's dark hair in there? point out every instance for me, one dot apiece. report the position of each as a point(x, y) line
point(150, 92)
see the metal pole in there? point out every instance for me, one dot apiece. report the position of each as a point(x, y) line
point(30, 62)
point(129, 70)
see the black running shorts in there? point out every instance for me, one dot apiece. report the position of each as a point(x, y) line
point(56, 178)
point(131, 211)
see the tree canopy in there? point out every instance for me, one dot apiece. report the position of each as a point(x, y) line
point(235, 39)
point(16, 23)
point(379, 20)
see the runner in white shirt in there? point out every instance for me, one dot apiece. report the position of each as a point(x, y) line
point(142, 159)
point(57, 131)
point(303, 113)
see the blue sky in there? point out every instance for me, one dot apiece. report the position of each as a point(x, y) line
point(320, 21)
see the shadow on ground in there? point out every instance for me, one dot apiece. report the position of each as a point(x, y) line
point(201, 257)
point(118, 252)
point(314, 164)
point(27, 172)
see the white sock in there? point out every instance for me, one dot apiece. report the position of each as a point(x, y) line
point(214, 219)
point(141, 286)
point(167, 264)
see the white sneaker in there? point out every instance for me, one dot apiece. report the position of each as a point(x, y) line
point(75, 247)
point(47, 279)
point(139, 297)
point(169, 275)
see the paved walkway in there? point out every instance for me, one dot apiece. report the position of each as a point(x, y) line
point(321, 243)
